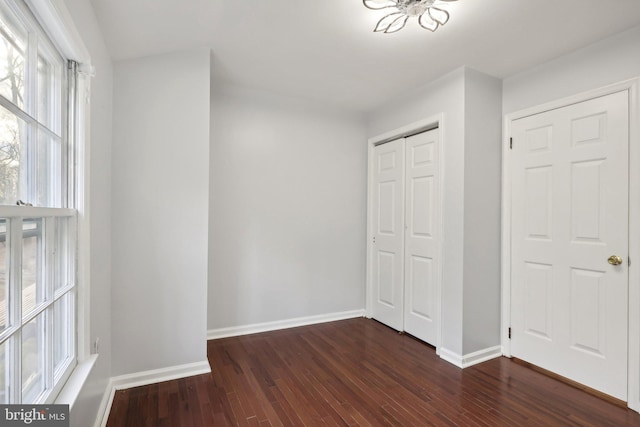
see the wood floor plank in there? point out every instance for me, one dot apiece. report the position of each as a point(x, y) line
point(357, 373)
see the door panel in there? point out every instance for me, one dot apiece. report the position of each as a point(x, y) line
point(388, 220)
point(538, 290)
point(421, 237)
point(569, 214)
point(386, 274)
point(588, 329)
point(421, 296)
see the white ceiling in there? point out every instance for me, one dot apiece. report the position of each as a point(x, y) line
point(325, 50)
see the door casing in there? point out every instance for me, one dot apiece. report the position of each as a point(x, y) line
point(632, 86)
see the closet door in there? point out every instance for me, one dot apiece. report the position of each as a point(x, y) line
point(570, 242)
point(421, 236)
point(388, 238)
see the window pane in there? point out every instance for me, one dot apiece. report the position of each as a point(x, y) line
point(45, 91)
point(30, 171)
point(48, 174)
point(12, 59)
point(62, 341)
point(33, 352)
point(4, 278)
point(49, 90)
point(32, 277)
point(13, 135)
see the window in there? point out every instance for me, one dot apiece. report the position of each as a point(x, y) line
point(37, 215)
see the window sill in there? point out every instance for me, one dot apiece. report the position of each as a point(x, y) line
point(74, 384)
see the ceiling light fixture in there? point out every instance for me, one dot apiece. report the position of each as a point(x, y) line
point(429, 16)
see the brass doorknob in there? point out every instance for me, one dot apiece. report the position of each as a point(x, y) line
point(615, 260)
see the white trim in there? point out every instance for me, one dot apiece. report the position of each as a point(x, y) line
point(83, 177)
point(54, 17)
point(407, 130)
point(451, 357)
point(633, 87)
point(471, 358)
point(72, 387)
point(35, 212)
point(105, 406)
point(432, 122)
point(145, 378)
point(633, 383)
point(506, 240)
point(235, 331)
point(368, 294)
point(154, 376)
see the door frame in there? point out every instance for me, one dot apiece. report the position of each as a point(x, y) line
point(632, 87)
point(429, 123)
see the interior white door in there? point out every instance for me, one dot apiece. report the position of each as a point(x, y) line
point(569, 216)
point(421, 236)
point(388, 239)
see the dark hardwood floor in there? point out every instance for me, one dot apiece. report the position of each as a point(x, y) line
point(357, 373)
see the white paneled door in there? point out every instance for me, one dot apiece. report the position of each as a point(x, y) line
point(388, 239)
point(405, 241)
point(569, 260)
point(421, 236)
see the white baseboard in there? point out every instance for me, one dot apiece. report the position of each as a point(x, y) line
point(450, 356)
point(138, 379)
point(472, 358)
point(105, 406)
point(235, 331)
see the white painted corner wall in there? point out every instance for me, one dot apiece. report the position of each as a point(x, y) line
point(160, 211)
point(287, 209)
point(482, 192)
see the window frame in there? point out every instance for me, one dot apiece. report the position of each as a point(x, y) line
point(54, 21)
point(54, 376)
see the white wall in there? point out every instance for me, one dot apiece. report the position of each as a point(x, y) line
point(482, 203)
point(445, 95)
point(160, 211)
point(86, 406)
point(609, 61)
point(288, 209)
